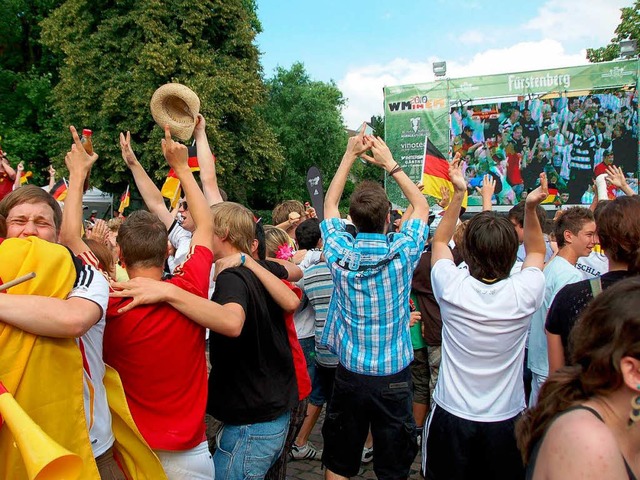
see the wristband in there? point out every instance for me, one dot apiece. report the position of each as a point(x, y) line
point(397, 169)
point(242, 259)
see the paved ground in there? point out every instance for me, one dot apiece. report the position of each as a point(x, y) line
point(310, 469)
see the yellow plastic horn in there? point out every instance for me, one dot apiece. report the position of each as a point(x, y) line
point(43, 457)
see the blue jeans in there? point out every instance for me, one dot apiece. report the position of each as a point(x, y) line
point(248, 451)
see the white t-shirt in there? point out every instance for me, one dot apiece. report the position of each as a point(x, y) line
point(557, 274)
point(484, 329)
point(181, 241)
point(595, 265)
point(92, 285)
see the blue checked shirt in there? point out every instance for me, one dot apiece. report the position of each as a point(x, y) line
point(368, 318)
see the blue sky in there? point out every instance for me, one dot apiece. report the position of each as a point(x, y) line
point(364, 46)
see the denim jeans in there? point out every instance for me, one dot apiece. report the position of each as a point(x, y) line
point(247, 451)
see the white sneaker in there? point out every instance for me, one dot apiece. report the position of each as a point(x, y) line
point(306, 452)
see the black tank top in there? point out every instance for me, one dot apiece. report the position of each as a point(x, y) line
point(531, 467)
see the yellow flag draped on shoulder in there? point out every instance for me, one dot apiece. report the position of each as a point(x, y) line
point(43, 374)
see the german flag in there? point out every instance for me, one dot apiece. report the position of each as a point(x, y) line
point(59, 190)
point(171, 188)
point(553, 194)
point(435, 172)
point(124, 200)
point(25, 176)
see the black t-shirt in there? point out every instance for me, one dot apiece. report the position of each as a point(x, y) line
point(252, 376)
point(571, 301)
point(530, 130)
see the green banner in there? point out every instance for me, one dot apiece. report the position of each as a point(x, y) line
point(413, 112)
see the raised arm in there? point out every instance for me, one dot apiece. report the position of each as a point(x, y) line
point(52, 177)
point(356, 146)
point(446, 228)
point(207, 164)
point(19, 170)
point(150, 193)
point(177, 156)
point(7, 166)
point(615, 177)
point(533, 238)
point(79, 163)
point(488, 187)
point(383, 158)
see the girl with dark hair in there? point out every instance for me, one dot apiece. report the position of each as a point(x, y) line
point(587, 420)
point(618, 229)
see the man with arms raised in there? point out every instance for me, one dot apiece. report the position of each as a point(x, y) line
point(368, 319)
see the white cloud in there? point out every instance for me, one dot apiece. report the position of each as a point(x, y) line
point(574, 20)
point(362, 86)
point(471, 37)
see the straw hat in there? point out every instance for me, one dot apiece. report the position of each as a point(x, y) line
point(178, 106)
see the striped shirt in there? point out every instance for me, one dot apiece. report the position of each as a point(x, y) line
point(584, 149)
point(318, 287)
point(368, 318)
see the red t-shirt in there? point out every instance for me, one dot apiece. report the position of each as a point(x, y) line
point(299, 362)
point(6, 185)
point(160, 356)
point(514, 175)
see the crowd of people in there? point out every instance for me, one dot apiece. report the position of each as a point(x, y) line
point(567, 138)
point(503, 346)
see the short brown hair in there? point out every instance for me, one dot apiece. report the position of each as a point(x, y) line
point(143, 240)
point(369, 207)
point(281, 213)
point(490, 246)
point(572, 219)
point(235, 222)
point(31, 194)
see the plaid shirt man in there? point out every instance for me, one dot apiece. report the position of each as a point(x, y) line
point(368, 319)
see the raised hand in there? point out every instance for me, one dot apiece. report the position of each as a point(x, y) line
point(445, 194)
point(20, 167)
point(540, 194)
point(77, 159)
point(381, 153)
point(455, 174)
point(100, 232)
point(125, 149)
point(615, 176)
point(488, 186)
point(201, 124)
point(177, 154)
point(358, 144)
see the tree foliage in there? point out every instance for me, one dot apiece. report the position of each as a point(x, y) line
point(27, 73)
point(116, 54)
point(306, 118)
point(629, 27)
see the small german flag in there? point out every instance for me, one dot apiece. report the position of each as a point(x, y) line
point(171, 188)
point(59, 190)
point(124, 200)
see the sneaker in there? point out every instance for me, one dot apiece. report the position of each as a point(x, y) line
point(367, 455)
point(306, 452)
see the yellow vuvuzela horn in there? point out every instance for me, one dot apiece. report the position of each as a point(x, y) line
point(44, 459)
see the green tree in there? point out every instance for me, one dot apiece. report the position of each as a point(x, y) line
point(629, 27)
point(306, 117)
point(27, 73)
point(116, 54)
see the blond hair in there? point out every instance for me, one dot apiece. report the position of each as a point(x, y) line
point(274, 238)
point(236, 223)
